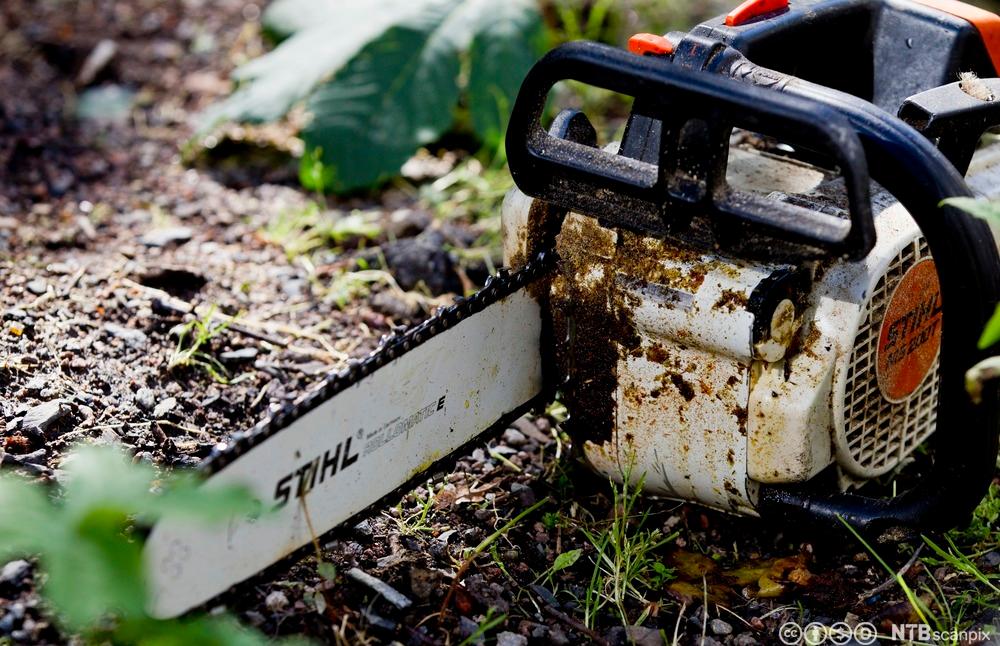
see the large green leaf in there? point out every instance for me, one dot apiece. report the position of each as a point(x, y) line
point(398, 93)
point(25, 518)
point(283, 18)
point(506, 45)
point(270, 85)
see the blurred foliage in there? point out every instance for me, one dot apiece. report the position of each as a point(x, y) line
point(87, 543)
point(379, 80)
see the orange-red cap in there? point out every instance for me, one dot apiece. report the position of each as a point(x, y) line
point(988, 23)
point(753, 8)
point(643, 44)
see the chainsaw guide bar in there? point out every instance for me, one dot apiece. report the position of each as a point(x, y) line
point(412, 392)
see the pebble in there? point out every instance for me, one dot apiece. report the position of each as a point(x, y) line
point(276, 601)
point(37, 287)
point(36, 383)
point(238, 356)
point(508, 638)
point(164, 407)
point(514, 437)
point(642, 636)
point(14, 571)
point(389, 593)
point(745, 639)
point(467, 627)
point(525, 494)
point(15, 314)
point(720, 627)
point(133, 338)
point(41, 417)
point(167, 236)
point(145, 398)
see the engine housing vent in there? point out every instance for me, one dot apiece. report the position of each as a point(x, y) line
point(889, 411)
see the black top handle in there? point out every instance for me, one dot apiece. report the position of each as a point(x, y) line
point(698, 112)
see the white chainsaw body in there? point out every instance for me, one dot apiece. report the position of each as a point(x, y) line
point(703, 410)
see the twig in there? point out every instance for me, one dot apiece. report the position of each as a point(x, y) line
point(575, 624)
point(885, 585)
point(260, 330)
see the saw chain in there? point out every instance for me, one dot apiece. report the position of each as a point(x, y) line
point(393, 346)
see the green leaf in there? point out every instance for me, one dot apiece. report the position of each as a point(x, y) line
point(26, 518)
point(284, 18)
point(991, 333)
point(981, 208)
point(93, 571)
point(398, 93)
point(565, 560)
point(327, 570)
point(270, 85)
point(507, 43)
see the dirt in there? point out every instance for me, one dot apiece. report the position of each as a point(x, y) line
point(109, 241)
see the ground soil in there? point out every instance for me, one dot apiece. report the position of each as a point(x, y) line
point(108, 239)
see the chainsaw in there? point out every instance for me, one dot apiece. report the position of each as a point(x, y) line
point(755, 300)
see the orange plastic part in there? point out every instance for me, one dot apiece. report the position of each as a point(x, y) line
point(753, 8)
point(988, 23)
point(642, 44)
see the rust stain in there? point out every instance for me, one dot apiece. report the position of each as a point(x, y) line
point(730, 300)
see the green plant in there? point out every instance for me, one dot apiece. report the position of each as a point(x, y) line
point(418, 521)
point(625, 561)
point(382, 79)
point(351, 284)
point(489, 622)
point(87, 544)
point(304, 230)
point(192, 337)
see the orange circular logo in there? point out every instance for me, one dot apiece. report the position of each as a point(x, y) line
point(910, 337)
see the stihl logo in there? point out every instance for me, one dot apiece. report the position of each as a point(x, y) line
point(320, 468)
point(911, 333)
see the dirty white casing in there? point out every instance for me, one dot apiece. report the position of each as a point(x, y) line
point(703, 413)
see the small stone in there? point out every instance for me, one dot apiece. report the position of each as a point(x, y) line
point(720, 627)
point(507, 638)
point(276, 601)
point(36, 383)
point(133, 338)
point(239, 356)
point(514, 437)
point(164, 407)
point(992, 559)
point(166, 236)
point(467, 627)
point(35, 457)
point(37, 287)
point(145, 398)
point(745, 639)
point(41, 417)
point(423, 582)
point(525, 494)
point(15, 314)
point(14, 572)
point(642, 636)
point(364, 528)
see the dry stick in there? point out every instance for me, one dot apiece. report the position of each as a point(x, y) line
point(309, 524)
point(479, 549)
point(251, 328)
point(573, 623)
point(885, 585)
